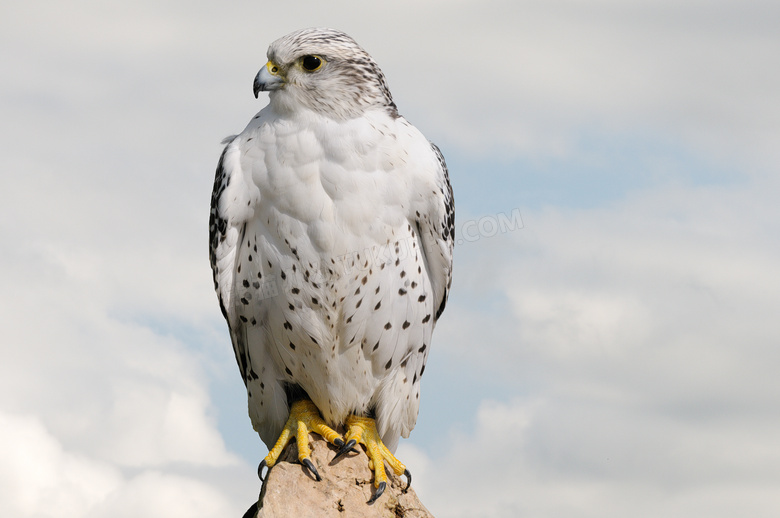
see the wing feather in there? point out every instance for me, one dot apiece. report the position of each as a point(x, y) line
point(226, 232)
point(436, 231)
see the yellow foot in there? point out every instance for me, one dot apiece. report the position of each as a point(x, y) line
point(304, 418)
point(363, 430)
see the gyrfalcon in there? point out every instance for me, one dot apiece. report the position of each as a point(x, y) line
point(331, 237)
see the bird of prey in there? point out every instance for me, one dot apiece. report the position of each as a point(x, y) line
point(331, 239)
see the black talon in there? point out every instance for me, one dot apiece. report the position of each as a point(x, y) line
point(379, 491)
point(346, 448)
point(310, 466)
point(340, 443)
point(260, 471)
point(408, 480)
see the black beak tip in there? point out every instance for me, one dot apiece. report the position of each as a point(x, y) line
point(257, 85)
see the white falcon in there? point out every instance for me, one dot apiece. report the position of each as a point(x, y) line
point(331, 236)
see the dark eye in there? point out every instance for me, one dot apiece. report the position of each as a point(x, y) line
point(311, 63)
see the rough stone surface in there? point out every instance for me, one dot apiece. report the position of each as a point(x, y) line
point(346, 486)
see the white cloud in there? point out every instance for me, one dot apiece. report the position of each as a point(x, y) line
point(530, 72)
point(90, 374)
point(155, 494)
point(552, 457)
point(636, 353)
point(39, 478)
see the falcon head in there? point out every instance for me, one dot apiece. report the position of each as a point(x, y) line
point(323, 70)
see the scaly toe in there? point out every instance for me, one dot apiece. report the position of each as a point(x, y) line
point(364, 431)
point(304, 418)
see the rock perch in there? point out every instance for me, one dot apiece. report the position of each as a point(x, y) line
point(290, 491)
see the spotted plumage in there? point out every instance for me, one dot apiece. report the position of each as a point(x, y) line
point(331, 236)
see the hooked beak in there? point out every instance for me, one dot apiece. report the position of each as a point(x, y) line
point(268, 79)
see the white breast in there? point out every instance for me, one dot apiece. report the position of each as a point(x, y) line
point(331, 268)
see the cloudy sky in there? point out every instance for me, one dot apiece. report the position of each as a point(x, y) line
point(611, 345)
